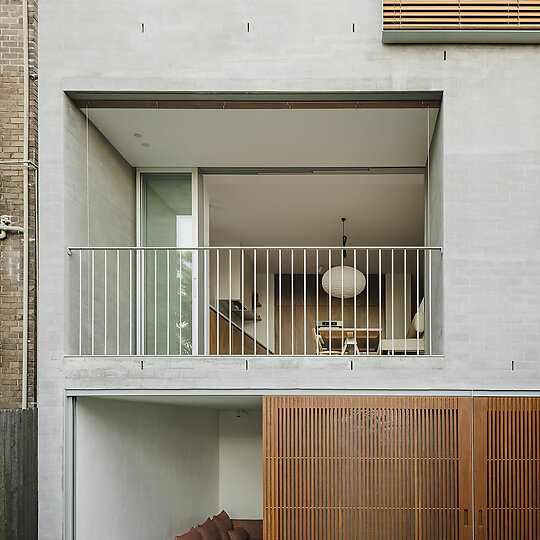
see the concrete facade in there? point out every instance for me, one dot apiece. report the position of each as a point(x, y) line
point(485, 157)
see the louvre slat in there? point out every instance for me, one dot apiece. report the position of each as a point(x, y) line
point(456, 15)
point(460, 26)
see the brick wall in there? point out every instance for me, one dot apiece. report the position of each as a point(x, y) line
point(11, 201)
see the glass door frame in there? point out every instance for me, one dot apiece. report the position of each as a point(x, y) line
point(197, 200)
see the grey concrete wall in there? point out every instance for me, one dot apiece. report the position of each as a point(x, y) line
point(434, 309)
point(490, 191)
point(144, 470)
point(99, 207)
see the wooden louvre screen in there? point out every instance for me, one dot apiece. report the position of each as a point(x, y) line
point(461, 15)
point(355, 467)
point(507, 472)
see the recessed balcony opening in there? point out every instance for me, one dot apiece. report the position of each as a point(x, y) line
point(240, 239)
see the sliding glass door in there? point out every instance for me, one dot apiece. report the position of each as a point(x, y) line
point(168, 277)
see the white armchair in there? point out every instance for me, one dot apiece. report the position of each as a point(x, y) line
point(414, 342)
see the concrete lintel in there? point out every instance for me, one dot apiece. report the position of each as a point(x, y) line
point(480, 37)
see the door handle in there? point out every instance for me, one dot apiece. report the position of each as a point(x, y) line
point(466, 517)
point(480, 518)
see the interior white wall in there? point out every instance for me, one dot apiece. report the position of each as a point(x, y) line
point(401, 307)
point(144, 471)
point(240, 463)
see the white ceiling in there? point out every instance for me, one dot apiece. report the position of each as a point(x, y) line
point(257, 210)
point(268, 137)
point(381, 209)
point(206, 402)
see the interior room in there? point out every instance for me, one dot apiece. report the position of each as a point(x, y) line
point(305, 211)
point(153, 467)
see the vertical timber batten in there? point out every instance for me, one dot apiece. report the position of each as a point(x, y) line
point(344, 467)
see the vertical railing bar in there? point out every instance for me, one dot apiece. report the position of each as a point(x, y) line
point(218, 309)
point(430, 305)
point(180, 303)
point(380, 300)
point(280, 335)
point(105, 300)
point(418, 299)
point(268, 302)
point(254, 301)
point(142, 301)
point(305, 317)
point(367, 300)
point(330, 301)
point(230, 303)
point(242, 300)
point(117, 301)
point(292, 301)
point(88, 272)
point(168, 289)
point(207, 300)
point(343, 350)
point(80, 302)
point(155, 302)
point(93, 305)
point(317, 301)
point(405, 299)
point(393, 302)
point(354, 298)
point(131, 301)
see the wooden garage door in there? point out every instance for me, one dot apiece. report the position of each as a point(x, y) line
point(507, 472)
point(344, 467)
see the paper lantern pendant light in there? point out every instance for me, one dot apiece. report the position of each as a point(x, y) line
point(334, 286)
point(343, 281)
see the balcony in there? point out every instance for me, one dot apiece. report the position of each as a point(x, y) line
point(453, 21)
point(252, 301)
point(273, 176)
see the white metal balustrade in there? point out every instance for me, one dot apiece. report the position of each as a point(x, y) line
point(232, 301)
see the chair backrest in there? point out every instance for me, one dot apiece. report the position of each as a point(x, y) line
point(318, 340)
point(417, 325)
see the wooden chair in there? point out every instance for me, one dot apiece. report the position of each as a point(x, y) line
point(320, 346)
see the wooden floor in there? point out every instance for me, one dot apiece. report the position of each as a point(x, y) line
point(344, 467)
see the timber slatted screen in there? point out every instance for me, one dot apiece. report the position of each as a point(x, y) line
point(461, 15)
point(507, 472)
point(344, 467)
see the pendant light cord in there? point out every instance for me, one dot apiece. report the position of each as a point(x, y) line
point(344, 238)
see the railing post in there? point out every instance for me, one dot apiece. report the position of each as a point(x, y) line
point(268, 304)
point(117, 301)
point(93, 326)
point(218, 307)
point(80, 303)
point(254, 301)
point(418, 299)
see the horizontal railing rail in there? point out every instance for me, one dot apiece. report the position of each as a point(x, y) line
point(461, 15)
point(244, 301)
